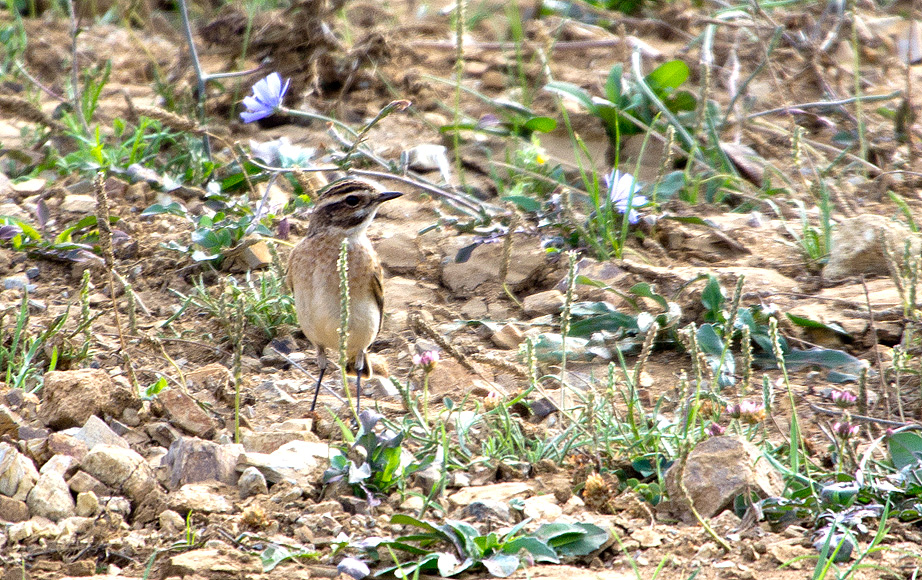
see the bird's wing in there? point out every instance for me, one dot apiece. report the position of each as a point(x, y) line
point(377, 289)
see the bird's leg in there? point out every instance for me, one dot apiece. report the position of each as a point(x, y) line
point(322, 363)
point(359, 365)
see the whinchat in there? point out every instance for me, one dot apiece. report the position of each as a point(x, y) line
point(344, 210)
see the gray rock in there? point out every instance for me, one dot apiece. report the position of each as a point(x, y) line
point(509, 337)
point(162, 433)
point(83, 481)
point(87, 504)
point(859, 246)
point(17, 473)
point(116, 505)
point(201, 497)
point(548, 302)
point(191, 460)
point(269, 441)
point(526, 264)
point(185, 413)
point(61, 443)
point(502, 492)
point(252, 482)
point(64, 466)
point(33, 529)
point(301, 461)
point(122, 469)
point(212, 563)
point(18, 282)
point(50, 498)
point(10, 422)
point(485, 510)
point(13, 510)
point(270, 392)
point(171, 523)
point(716, 471)
point(95, 431)
point(71, 397)
point(428, 478)
point(79, 203)
point(399, 253)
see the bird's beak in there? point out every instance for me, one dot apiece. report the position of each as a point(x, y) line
point(388, 195)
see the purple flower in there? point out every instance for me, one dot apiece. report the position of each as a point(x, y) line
point(845, 429)
point(620, 187)
point(715, 430)
point(426, 360)
point(843, 399)
point(266, 98)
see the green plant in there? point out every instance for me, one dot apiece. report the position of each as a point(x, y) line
point(624, 102)
point(25, 355)
point(371, 462)
point(500, 555)
point(227, 221)
point(266, 303)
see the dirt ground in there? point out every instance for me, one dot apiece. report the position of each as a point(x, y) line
point(379, 52)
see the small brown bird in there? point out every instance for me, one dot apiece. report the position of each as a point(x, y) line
point(344, 210)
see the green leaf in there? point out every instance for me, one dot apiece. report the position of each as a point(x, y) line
point(712, 297)
point(645, 290)
point(671, 184)
point(572, 539)
point(538, 549)
point(156, 387)
point(573, 91)
point(541, 124)
point(807, 323)
point(613, 83)
point(824, 358)
point(501, 565)
point(158, 209)
point(905, 449)
point(405, 520)
point(669, 75)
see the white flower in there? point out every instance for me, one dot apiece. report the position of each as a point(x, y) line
point(621, 186)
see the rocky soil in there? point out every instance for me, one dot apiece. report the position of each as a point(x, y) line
point(97, 479)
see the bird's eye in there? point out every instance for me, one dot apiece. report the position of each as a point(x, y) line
point(352, 200)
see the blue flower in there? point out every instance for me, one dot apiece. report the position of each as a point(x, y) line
point(266, 98)
point(620, 187)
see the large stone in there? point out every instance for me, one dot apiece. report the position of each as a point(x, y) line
point(716, 472)
point(526, 264)
point(270, 441)
point(71, 397)
point(185, 413)
point(252, 482)
point(121, 469)
point(212, 563)
point(398, 253)
point(547, 302)
point(191, 460)
point(488, 510)
point(10, 422)
point(64, 466)
point(498, 491)
point(12, 510)
point(51, 498)
point(859, 245)
point(201, 498)
point(17, 473)
point(301, 461)
point(95, 431)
